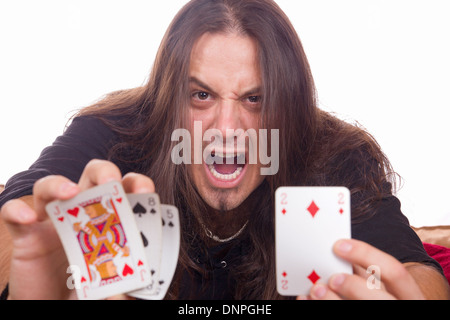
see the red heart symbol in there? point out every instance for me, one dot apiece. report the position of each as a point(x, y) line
point(73, 212)
point(83, 279)
point(61, 219)
point(140, 263)
point(119, 200)
point(127, 270)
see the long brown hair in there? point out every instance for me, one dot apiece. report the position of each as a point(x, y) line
point(315, 147)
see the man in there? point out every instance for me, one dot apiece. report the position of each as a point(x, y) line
point(228, 64)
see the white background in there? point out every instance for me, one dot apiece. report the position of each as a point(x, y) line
point(384, 63)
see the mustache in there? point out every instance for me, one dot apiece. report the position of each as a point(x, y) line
point(220, 158)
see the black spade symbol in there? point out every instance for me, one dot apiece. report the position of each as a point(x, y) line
point(139, 209)
point(171, 224)
point(144, 240)
point(153, 211)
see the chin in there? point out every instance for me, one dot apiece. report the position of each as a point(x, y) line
point(226, 191)
point(223, 200)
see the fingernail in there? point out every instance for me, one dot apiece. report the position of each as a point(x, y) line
point(344, 246)
point(68, 188)
point(25, 214)
point(108, 180)
point(143, 190)
point(319, 291)
point(337, 280)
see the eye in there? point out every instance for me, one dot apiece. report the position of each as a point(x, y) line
point(254, 99)
point(201, 96)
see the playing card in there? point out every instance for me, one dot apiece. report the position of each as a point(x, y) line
point(309, 220)
point(169, 257)
point(147, 213)
point(100, 238)
point(170, 249)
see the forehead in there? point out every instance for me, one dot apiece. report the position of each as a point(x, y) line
point(227, 54)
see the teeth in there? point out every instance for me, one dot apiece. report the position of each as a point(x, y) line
point(221, 176)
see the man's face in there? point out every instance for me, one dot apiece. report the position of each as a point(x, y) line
point(225, 88)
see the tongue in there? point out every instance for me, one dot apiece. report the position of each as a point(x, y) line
point(226, 168)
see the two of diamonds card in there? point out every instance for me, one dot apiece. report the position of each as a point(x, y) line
point(116, 247)
point(308, 221)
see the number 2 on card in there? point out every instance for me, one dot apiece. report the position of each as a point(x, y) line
point(284, 199)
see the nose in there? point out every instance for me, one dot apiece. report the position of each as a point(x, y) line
point(227, 117)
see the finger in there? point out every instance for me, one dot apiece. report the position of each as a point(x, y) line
point(17, 212)
point(17, 215)
point(393, 274)
point(354, 287)
point(98, 172)
point(30, 226)
point(360, 271)
point(121, 297)
point(137, 183)
point(370, 275)
point(21, 222)
point(322, 292)
point(49, 189)
point(303, 297)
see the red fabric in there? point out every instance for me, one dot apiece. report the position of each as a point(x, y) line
point(441, 255)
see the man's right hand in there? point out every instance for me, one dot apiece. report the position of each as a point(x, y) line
point(38, 262)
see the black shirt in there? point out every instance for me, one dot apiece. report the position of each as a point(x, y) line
point(88, 138)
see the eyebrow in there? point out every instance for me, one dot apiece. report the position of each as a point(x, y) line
point(201, 84)
point(207, 88)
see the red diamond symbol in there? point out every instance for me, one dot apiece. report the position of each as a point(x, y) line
point(284, 274)
point(313, 208)
point(341, 211)
point(283, 211)
point(313, 277)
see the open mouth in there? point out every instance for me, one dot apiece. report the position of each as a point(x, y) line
point(227, 168)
